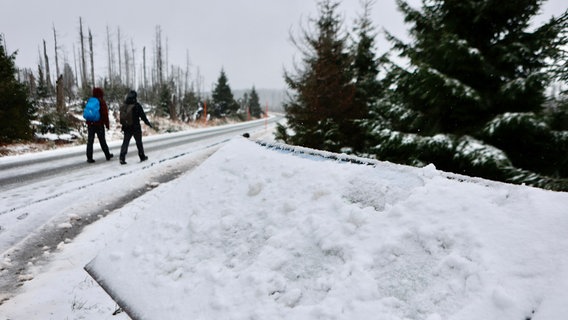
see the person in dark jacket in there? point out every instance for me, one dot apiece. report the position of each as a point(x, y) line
point(98, 128)
point(134, 130)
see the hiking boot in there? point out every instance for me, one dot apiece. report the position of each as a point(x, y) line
point(122, 162)
point(91, 160)
point(110, 156)
point(144, 158)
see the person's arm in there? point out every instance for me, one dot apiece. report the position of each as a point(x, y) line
point(104, 113)
point(143, 116)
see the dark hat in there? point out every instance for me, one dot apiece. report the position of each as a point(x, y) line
point(131, 95)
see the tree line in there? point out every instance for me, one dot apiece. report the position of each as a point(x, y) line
point(176, 92)
point(467, 94)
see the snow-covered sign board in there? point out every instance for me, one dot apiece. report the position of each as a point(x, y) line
point(258, 234)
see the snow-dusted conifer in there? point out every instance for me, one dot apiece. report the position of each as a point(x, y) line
point(15, 108)
point(320, 112)
point(365, 69)
point(254, 104)
point(468, 65)
point(223, 96)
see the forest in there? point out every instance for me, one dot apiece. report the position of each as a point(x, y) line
point(49, 99)
point(479, 90)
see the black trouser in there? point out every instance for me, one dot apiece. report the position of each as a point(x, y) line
point(99, 130)
point(128, 134)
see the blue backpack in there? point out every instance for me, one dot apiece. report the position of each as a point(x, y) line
point(92, 110)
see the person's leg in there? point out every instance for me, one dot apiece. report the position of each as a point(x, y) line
point(140, 146)
point(102, 141)
point(90, 141)
point(124, 147)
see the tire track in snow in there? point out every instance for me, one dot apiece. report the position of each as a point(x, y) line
point(31, 251)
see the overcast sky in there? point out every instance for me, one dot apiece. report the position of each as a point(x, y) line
point(249, 39)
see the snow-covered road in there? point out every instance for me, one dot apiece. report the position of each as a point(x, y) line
point(47, 198)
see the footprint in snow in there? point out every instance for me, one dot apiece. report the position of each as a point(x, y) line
point(23, 216)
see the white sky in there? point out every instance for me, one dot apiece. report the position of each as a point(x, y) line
point(250, 39)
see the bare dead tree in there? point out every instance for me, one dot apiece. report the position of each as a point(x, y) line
point(159, 58)
point(145, 80)
point(187, 72)
point(119, 55)
point(83, 63)
point(92, 58)
point(153, 68)
point(110, 57)
point(172, 105)
point(75, 65)
point(126, 65)
point(40, 66)
point(199, 83)
point(167, 56)
point(133, 63)
point(60, 96)
point(56, 55)
point(47, 74)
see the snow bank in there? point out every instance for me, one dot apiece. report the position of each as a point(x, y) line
point(258, 234)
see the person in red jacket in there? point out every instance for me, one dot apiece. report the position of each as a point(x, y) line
point(98, 128)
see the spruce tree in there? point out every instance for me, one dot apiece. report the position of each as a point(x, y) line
point(15, 109)
point(254, 104)
point(165, 99)
point(320, 112)
point(365, 69)
point(223, 99)
point(41, 90)
point(472, 99)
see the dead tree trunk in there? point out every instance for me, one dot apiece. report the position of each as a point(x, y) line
point(83, 63)
point(133, 64)
point(56, 58)
point(119, 58)
point(47, 75)
point(60, 96)
point(159, 58)
point(76, 75)
point(172, 107)
point(92, 59)
point(126, 65)
point(144, 70)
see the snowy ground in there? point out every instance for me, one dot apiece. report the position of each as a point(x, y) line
point(254, 233)
point(62, 204)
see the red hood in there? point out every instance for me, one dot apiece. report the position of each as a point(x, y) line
point(98, 93)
